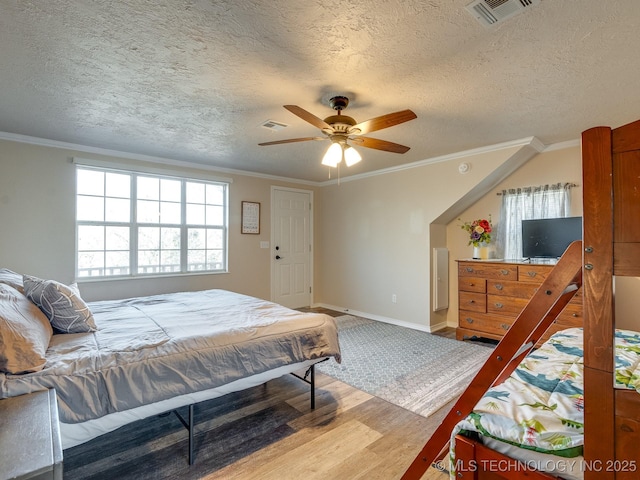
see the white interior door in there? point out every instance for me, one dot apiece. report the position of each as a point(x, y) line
point(291, 247)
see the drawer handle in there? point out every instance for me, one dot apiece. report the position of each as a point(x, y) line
point(469, 269)
point(499, 286)
point(499, 305)
point(505, 326)
point(472, 301)
point(472, 284)
point(469, 320)
point(532, 274)
point(504, 272)
point(575, 315)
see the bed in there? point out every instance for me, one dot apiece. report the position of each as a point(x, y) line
point(150, 355)
point(536, 416)
point(607, 442)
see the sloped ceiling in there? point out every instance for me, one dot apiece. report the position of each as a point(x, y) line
point(194, 80)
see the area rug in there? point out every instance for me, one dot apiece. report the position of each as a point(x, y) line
point(409, 368)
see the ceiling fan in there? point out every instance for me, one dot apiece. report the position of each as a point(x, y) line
point(340, 128)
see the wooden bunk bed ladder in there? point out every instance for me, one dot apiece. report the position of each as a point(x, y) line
point(534, 319)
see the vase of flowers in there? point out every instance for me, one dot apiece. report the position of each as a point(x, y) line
point(479, 236)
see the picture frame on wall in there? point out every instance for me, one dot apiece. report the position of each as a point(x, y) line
point(251, 217)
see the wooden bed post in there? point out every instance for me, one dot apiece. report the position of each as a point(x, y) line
point(597, 171)
point(543, 308)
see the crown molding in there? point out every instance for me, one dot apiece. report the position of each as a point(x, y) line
point(528, 141)
point(559, 146)
point(44, 142)
point(533, 142)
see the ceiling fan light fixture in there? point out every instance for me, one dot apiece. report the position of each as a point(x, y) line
point(351, 156)
point(333, 156)
point(340, 128)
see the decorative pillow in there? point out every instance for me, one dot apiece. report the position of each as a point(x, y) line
point(12, 279)
point(62, 304)
point(25, 333)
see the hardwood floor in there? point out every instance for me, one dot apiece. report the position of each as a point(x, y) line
point(350, 435)
point(268, 432)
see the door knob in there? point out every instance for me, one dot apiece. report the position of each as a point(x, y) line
point(278, 257)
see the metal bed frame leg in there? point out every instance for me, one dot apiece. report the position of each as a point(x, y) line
point(311, 373)
point(312, 383)
point(189, 425)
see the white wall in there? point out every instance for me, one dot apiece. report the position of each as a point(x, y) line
point(626, 292)
point(375, 236)
point(37, 222)
point(563, 165)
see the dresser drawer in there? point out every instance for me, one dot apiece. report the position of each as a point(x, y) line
point(505, 305)
point(493, 294)
point(511, 289)
point(484, 323)
point(475, 302)
point(533, 273)
point(571, 316)
point(479, 269)
point(472, 284)
point(577, 298)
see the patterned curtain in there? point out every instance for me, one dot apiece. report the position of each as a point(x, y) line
point(544, 201)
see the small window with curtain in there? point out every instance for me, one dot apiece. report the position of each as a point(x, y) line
point(545, 201)
point(136, 224)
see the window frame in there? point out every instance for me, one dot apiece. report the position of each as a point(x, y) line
point(135, 225)
point(534, 204)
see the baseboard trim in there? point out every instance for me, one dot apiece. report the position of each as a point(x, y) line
point(380, 318)
point(439, 326)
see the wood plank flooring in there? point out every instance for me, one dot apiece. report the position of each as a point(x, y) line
point(355, 436)
point(267, 432)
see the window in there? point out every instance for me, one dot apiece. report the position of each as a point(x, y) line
point(548, 201)
point(135, 224)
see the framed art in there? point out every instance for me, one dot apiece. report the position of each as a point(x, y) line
point(251, 217)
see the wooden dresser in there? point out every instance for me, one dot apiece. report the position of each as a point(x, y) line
point(492, 294)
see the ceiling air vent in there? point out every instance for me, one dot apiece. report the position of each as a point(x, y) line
point(491, 12)
point(273, 125)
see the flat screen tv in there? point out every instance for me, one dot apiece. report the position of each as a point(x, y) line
point(549, 237)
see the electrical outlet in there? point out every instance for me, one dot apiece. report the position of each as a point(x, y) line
point(394, 298)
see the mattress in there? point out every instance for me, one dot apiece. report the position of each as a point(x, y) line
point(536, 415)
point(152, 349)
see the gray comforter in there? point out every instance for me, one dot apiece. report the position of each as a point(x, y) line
point(152, 348)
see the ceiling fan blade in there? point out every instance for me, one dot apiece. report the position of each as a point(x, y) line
point(384, 121)
point(379, 144)
point(292, 140)
point(307, 117)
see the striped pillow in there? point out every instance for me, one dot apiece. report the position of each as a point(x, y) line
point(62, 304)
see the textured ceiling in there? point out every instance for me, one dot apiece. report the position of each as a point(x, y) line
point(194, 80)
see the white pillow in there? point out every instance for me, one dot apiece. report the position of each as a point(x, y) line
point(62, 304)
point(25, 333)
point(12, 279)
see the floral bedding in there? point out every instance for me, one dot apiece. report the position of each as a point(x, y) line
point(540, 406)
